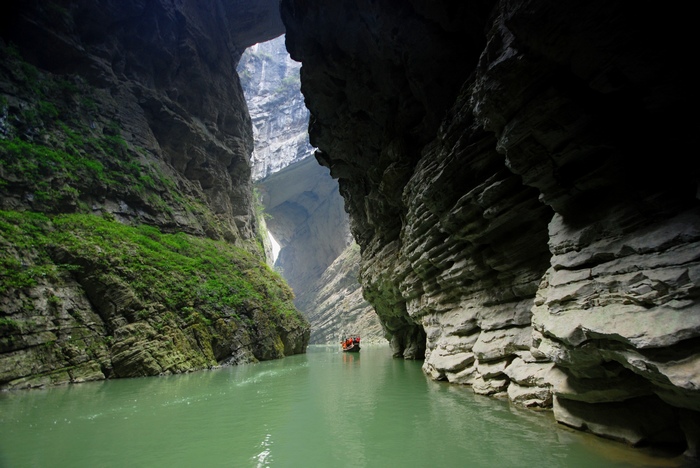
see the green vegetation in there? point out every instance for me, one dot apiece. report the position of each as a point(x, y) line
point(68, 161)
point(58, 152)
point(22, 259)
point(7, 324)
point(200, 279)
point(289, 83)
point(56, 148)
point(85, 164)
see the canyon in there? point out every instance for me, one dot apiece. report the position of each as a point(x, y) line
point(517, 176)
point(304, 211)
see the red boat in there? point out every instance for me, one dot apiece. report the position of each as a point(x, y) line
point(351, 344)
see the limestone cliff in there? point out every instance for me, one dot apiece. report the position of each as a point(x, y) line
point(518, 178)
point(303, 208)
point(128, 227)
point(306, 217)
point(317, 257)
point(335, 306)
point(270, 80)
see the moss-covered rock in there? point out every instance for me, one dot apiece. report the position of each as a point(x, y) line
point(128, 234)
point(97, 298)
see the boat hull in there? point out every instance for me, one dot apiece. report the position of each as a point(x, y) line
point(352, 349)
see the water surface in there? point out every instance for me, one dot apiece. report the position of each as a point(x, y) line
point(322, 409)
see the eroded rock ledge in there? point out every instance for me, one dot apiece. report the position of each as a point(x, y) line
point(519, 179)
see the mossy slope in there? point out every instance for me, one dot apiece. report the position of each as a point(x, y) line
point(112, 261)
point(87, 297)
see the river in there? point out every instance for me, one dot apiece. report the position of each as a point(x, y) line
point(321, 409)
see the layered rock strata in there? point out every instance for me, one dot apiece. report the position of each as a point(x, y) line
point(128, 228)
point(270, 80)
point(335, 306)
point(518, 180)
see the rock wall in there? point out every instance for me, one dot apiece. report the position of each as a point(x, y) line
point(306, 217)
point(130, 244)
point(270, 80)
point(303, 209)
point(317, 257)
point(335, 306)
point(518, 180)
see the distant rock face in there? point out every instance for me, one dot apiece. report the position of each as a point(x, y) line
point(335, 306)
point(518, 180)
point(270, 80)
point(317, 257)
point(307, 218)
point(306, 214)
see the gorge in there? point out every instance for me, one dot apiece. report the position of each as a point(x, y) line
point(518, 177)
point(303, 209)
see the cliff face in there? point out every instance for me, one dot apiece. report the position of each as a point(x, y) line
point(306, 217)
point(303, 208)
point(270, 80)
point(129, 231)
point(335, 306)
point(518, 180)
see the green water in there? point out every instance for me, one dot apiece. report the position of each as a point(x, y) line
point(322, 409)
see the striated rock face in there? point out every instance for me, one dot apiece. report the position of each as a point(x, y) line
point(335, 306)
point(518, 180)
point(270, 80)
point(127, 221)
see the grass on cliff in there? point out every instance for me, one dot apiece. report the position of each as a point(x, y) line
point(62, 150)
point(184, 273)
point(61, 145)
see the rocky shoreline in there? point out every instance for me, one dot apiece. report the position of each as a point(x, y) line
point(519, 185)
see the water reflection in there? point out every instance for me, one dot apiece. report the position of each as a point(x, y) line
point(325, 408)
point(351, 358)
point(264, 458)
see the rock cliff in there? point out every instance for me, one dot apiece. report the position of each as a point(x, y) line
point(317, 257)
point(303, 208)
point(130, 243)
point(518, 178)
point(335, 306)
point(270, 80)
